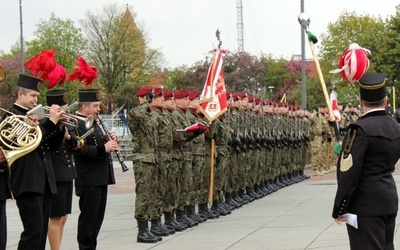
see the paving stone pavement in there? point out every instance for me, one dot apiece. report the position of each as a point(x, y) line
point(295, 217)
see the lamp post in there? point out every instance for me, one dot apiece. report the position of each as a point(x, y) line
point(22, 37)
point(271, 89)
point(303, 63)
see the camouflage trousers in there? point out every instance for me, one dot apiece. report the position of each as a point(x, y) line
point(219, 176)
point(185, 181)
point(172, 185)
point(232, 172)
point(146, 179)
point(199, 188)
point(318, 152)
point(164, 168)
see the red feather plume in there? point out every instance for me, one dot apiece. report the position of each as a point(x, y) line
point(83, 72)
point(44, 65)
point(41, 64)
point(56, 76)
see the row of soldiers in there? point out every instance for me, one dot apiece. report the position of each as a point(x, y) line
point(324, 138)
point(255, 148)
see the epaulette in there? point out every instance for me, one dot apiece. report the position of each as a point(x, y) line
point(346, 161)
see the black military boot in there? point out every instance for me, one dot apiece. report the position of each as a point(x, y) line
point(205, 211)
point(236, 197)
point(257, 189)
point(304, 175)
point(230, 201)
point(158, 229)
point(191, 214)
point(246, 199)
point(183, 219)
point(144, 235)
point(271, 185)
point(283, 181)
point(171, 223)
point(217, 208)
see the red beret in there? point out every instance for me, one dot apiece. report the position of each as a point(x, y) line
point(282, 104)
point(250, 98)
point(143, 91)
point(228, 95)
point(257, 100)
point(168, 94)
point(179, 94)
point(193, 94)
point(238, 96)
point(158, 92)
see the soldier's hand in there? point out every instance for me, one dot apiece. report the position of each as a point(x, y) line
point(111, 146)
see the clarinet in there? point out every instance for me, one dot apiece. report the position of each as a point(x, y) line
point(119, 156)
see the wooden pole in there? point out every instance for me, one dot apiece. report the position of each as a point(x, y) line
point(322, 81)
point(211, 191)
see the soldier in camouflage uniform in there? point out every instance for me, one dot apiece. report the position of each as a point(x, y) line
point(185, 181)
point(316, 142)
point(230, 122)
point(172, 170)
point(221, 157)
point(199, 189)
point(144, 122)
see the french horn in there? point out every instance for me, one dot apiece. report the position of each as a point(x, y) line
point(19, 136)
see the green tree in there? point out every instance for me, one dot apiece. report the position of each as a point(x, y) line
point(60, 34)
point(120, 52)
point(366, 30)
point(66, 39)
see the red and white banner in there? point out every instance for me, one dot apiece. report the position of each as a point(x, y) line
point(213, 97)
point(334, 105)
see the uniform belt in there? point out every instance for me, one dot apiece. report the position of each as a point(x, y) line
point(147, 151)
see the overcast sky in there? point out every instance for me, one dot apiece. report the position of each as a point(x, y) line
point(184, 30)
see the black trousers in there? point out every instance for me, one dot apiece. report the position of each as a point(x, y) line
point(373, 233)
point(3, 225)
point(92, 203)
point(34, 210)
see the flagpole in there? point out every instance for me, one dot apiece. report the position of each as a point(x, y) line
point(211, 192)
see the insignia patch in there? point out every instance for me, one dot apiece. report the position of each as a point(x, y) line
point(346, 163)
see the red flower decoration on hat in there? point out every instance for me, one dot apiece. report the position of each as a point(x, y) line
point(353, 63)
point(83, 72)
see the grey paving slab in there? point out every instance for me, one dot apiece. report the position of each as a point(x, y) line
point(293, 218)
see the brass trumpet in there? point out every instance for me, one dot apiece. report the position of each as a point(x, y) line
point(72, 120)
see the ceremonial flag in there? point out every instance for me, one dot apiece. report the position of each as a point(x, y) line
point(213, 97)
point(334, 105)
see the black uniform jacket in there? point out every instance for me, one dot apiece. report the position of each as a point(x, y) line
point(366, 186)
point(93, 164)
point(33, 171)
point(63, 163)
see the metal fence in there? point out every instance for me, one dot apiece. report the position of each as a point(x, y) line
point(113, 123)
